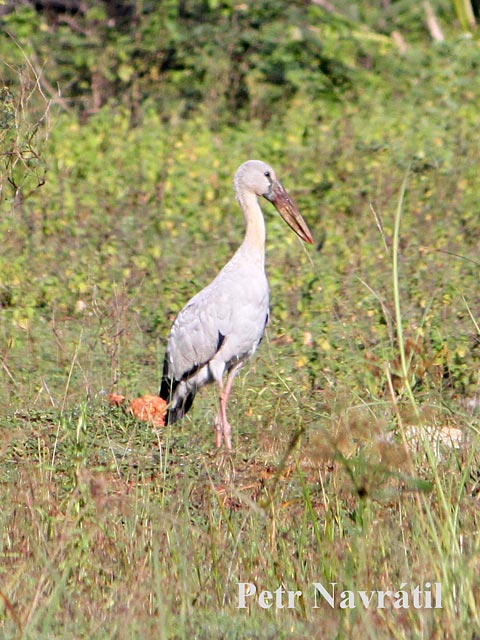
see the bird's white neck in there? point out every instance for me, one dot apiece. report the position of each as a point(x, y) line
point(254, 239)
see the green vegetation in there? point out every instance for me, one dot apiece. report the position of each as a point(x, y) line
point(356, 426)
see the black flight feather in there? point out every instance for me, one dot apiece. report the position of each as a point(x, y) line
point(169, 385)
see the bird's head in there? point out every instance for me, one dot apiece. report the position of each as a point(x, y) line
point(259, 178)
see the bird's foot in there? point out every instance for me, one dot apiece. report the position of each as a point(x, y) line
point(223, 432)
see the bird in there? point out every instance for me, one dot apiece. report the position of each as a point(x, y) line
point(220, 328)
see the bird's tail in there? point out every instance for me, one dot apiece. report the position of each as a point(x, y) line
point(178, 403)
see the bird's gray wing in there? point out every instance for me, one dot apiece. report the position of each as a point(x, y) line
point(198, 332)
point(196, 336)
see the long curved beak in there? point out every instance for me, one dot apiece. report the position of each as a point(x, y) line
point(289, 211)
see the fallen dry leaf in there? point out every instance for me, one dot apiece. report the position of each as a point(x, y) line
point(116, 400)
point(150, 409)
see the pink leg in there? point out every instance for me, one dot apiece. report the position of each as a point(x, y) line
point(223, 428)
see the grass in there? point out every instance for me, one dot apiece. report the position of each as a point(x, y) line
point(109, 531)
point(112, 529)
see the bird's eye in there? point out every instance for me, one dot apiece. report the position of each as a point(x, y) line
point(267, 174)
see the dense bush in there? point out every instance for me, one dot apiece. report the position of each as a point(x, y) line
point(234, 60)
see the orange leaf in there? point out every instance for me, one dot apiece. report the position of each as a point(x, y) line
point(115, 399)
point(150, 409)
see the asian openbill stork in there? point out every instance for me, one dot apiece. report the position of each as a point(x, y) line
point(221, 326)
